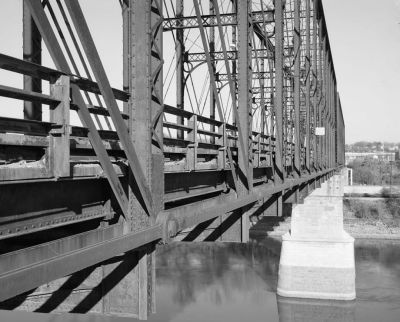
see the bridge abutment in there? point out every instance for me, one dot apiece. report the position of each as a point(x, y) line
point(317, 256)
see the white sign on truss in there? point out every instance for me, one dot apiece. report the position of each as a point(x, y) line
point(320, 131)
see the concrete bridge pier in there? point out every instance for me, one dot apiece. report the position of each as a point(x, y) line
point(317, 255)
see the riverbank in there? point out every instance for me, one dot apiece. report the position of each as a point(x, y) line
point(360, 229)
point(363, 218)
point(372, 218)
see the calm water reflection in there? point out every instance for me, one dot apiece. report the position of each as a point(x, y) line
point(234, 282)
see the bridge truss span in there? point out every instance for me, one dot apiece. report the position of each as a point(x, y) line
point(224, 105)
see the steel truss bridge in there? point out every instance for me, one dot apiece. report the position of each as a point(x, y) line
point(219, 112)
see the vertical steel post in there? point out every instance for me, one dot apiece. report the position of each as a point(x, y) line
point(212, 50)
point(155, 158)
point(180, 52)
point(59, 147)
point(279, 170)
point(315, 84)
point(244, 89)
point(32, 52)
point(333, 118)
point(341, 136)
point(321, 93)
point(125, 51)
point(245, 104)
point(297, 54)
point(336, 120)
point(278, 101)
point(327, 105)
point(234, 43)
point(308, 84)
point(264, 126)
point(321, 97)
point(146, 119)
point(326, 100)
point(330, 112)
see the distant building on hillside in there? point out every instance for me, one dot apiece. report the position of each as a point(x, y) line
point(380, 156)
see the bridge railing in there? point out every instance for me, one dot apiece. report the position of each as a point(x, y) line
point(51, 149)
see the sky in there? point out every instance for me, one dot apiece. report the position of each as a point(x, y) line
point(365, 43)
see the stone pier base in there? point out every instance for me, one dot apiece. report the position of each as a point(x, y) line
point(317, 269)
point(311, 310)
point(317, 256)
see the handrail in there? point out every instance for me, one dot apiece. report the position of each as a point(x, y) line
point(24, 67)
point(97, 110)
point(193, 141)
point(20, 66)
point(31, 69)
point(21, 94)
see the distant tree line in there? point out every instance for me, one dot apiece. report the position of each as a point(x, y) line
point(374, 172)
point(364, 146)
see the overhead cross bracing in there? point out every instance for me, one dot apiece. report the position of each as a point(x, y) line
point(219, 108)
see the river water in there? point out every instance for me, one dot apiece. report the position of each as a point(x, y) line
point(237, 282)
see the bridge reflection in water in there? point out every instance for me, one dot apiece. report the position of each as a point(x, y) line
point(232, 282)
point(237, 282)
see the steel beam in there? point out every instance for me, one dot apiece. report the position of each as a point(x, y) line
point(297, 55)
point(231, 55)
point(180, 218)
point(59, 146)
point(146, 104)
point(308, 85)
point(180, 53)
point(278, 98)
point(228, 19)
point(20, 94)
point(32, 52)
point(125, 51)
point(256, 75)
point(244, 93)
point(27, 277)
point(325, 101)
point(315, 84)
point(213, 60)
point(146, 126)
point(245, 105)
point(321, 92)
